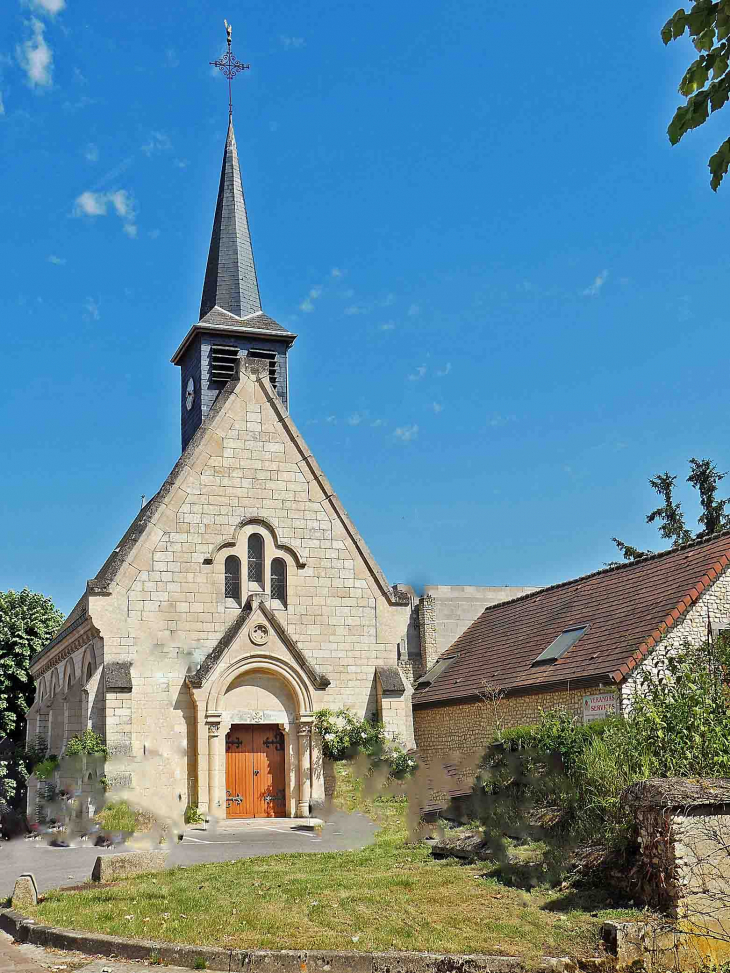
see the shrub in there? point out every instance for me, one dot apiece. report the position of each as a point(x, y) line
point(192, 815)
point(344, 735)
point(46, 768)
point(87, 742)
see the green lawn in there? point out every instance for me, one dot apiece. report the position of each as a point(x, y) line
point(391, 895)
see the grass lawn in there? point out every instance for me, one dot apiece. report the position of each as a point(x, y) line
point(391, 895)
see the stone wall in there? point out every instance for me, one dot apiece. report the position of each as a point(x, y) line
point(458, 734)
point(454, 607)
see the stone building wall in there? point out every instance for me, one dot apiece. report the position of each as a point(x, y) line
point(458, 734)
point(452, 608)
point(247, 472)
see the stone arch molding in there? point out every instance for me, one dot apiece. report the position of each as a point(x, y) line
point(299, 561)
point(272, 666)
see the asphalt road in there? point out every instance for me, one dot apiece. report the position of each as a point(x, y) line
point(56, 867)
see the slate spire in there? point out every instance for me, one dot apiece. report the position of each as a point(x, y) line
point(230, 277)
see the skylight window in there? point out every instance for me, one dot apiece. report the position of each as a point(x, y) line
point(566, 640)
point(434, 672)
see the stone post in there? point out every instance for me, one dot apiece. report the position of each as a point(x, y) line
point(427, 630)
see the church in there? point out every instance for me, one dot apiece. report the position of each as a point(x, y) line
point(242, 599)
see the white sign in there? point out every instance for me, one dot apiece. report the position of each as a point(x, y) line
point(599, 706)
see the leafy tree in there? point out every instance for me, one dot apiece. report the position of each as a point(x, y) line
point(706, 83)
point(705, 478)
point(28, 621)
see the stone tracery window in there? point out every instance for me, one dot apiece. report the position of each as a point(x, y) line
point(256, 559)
point(278, 581)
point(233, 578)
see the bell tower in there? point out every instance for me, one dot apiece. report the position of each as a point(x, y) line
point(231, 321)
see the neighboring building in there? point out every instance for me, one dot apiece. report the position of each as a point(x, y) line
point(576, 646)
point(241, 599)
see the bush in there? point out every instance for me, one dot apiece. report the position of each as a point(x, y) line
point(344, 736)
point(46, 768)
point(192, 815)
point(87, 742)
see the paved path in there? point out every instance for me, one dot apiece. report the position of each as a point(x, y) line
point(56, 867)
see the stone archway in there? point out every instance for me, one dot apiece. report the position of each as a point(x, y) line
point(258, 690)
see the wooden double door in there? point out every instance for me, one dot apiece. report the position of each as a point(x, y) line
point(255, 771)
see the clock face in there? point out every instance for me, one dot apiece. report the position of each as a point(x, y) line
point(190, 394)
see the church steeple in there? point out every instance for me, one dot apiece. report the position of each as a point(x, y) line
point(230, 276)
point(232, 324)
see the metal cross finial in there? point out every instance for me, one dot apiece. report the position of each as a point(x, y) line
point(229, 66)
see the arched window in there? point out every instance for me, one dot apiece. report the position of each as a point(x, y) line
point(88, 671)
point(256, 559)
point(233, 578)
point(278, 581)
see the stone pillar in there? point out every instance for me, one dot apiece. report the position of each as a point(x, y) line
point(216, 787)
point(683, 871)
point(427, 630)
point(304, 732)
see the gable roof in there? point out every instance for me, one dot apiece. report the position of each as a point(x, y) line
point(627, 608)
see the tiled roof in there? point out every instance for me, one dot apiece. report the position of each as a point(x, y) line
point(258, 321)
point(230, 276)
point(628, 609)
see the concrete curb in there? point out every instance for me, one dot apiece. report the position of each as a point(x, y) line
point(268, 961)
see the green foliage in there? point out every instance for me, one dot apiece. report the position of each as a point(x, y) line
point(87, 742)
point(200, 963)
point(344, 735)
point(28, 621)
point(192, 815)
point(46, 768)
point(706, 82)
point(118, 816)
point(703, 477)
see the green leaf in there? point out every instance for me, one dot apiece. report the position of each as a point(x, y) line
point(705, 40)
point(719, 164)
point(694, 79)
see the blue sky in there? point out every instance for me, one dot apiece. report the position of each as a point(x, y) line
point(509, 289)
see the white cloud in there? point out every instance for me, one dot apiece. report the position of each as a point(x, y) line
point(418, 374)
point(158, 142)
point(2, 105)
point(445, 370)
point(437, 407)
point(92, 309)
point(153, 234)
point(273, 126)
point(173, 61)
point(336, 272)
point(388, 326)
point(378, 422)
point(182, 163)
point(307, 304)
point(500, 420)
point(91, 152)
point(35, 56)
point(356, 418)
point(331, 419)
point(97, 204)
point(354, 309)
point(597, 284)
point(413, 310)
point(406, 433)
point(53, 259)
point(388, 300)
point(292, 42)
point(51, 7)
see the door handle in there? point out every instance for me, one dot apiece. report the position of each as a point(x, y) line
point(256, 773)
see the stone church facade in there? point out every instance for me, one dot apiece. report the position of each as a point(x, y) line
point(241, 596)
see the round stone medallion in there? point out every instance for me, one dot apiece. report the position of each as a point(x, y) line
point(259, 634)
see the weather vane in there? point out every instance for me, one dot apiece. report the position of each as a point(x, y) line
point(229, 66)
